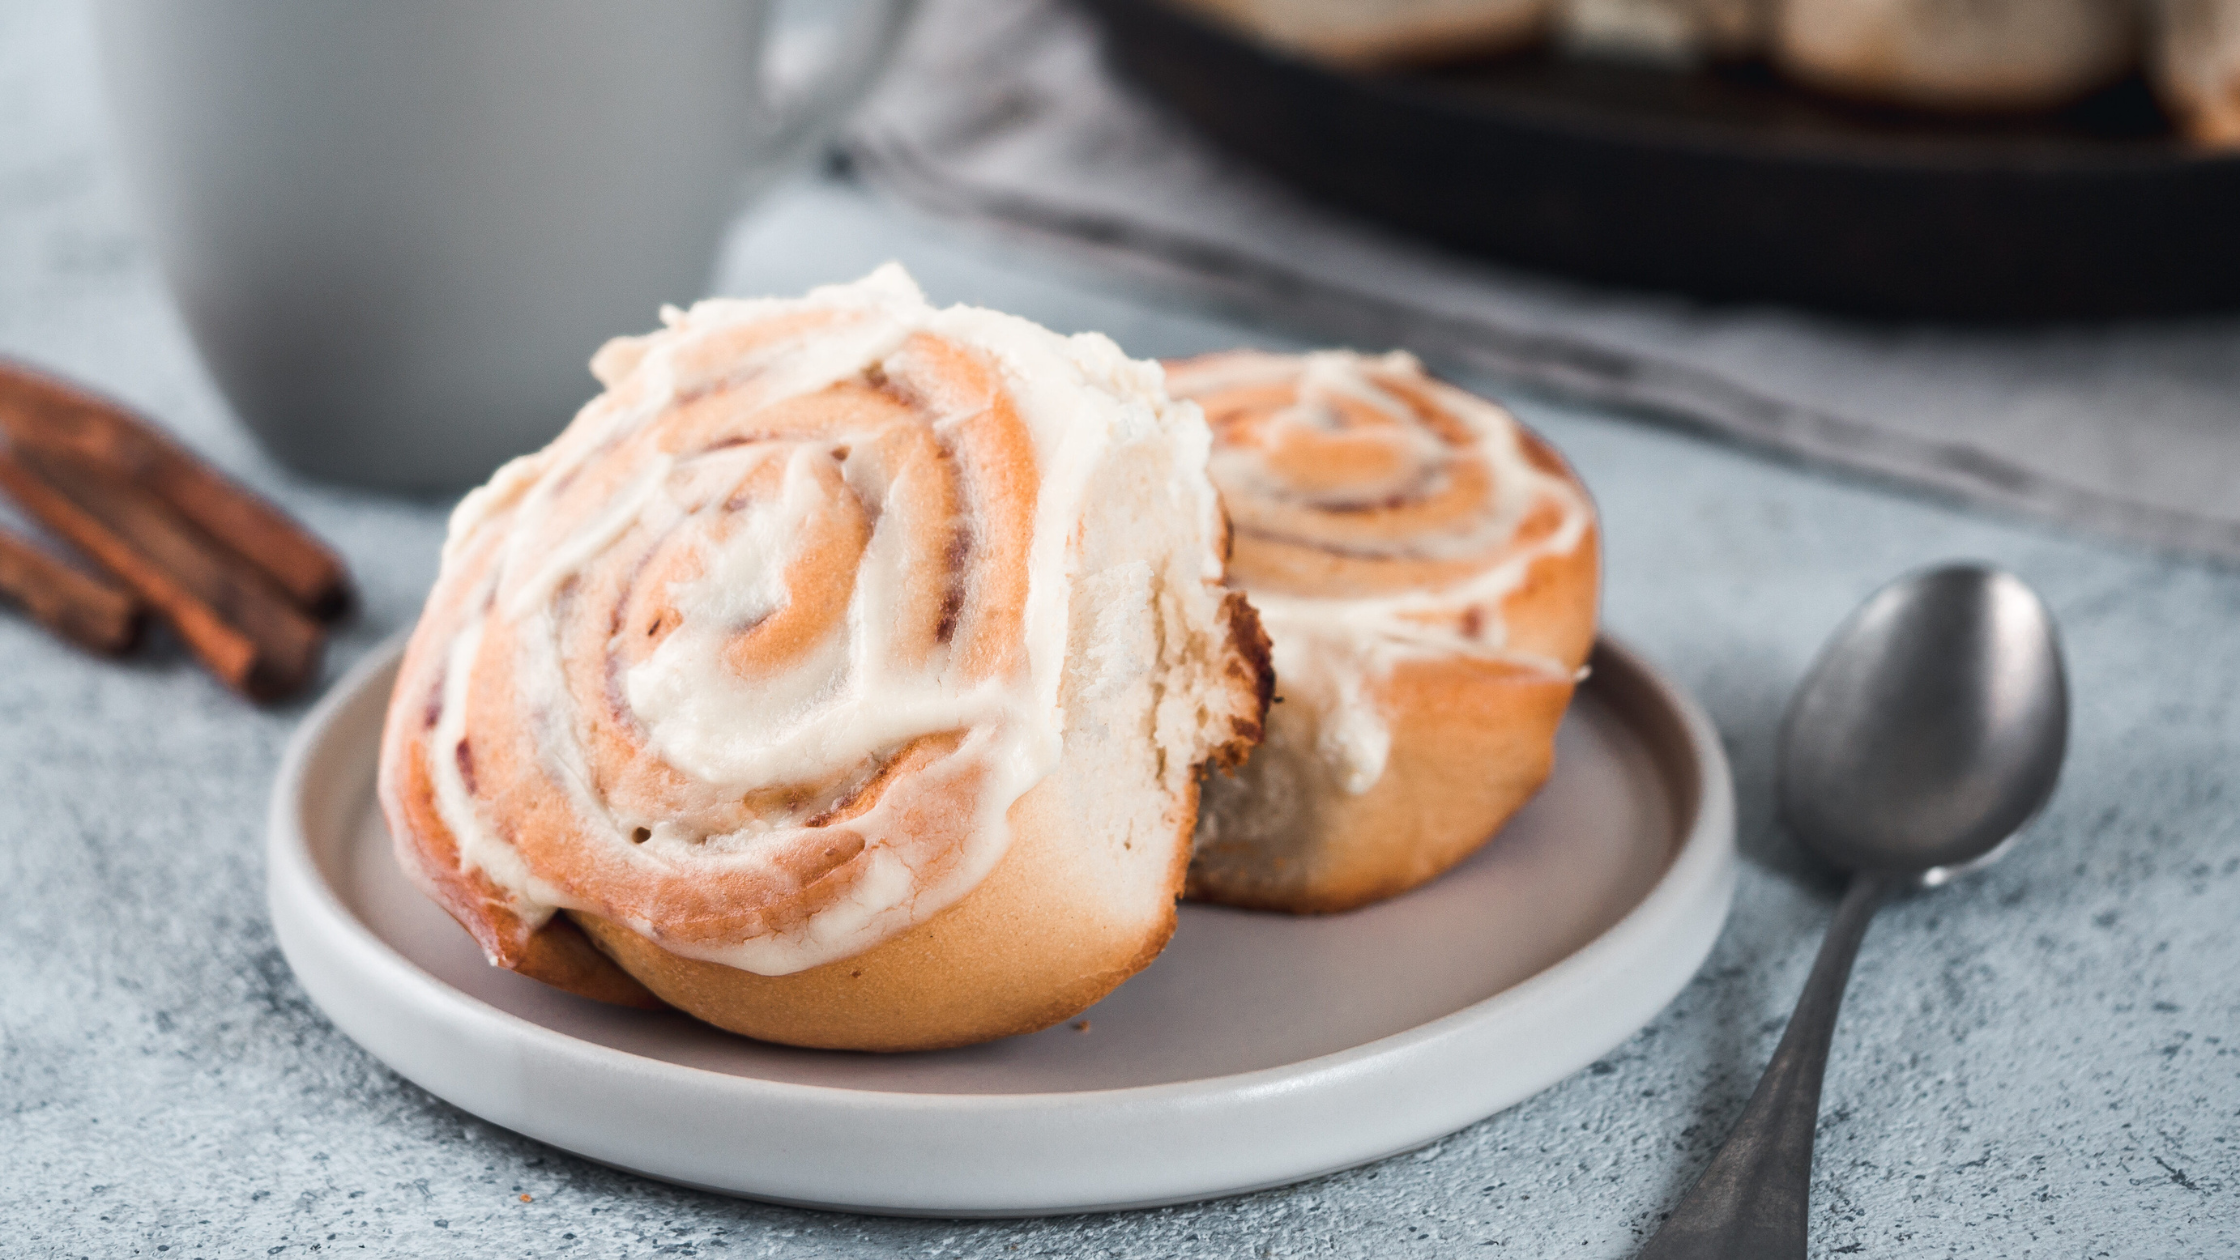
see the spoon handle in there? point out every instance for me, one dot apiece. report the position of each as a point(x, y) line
point(1750, 1204)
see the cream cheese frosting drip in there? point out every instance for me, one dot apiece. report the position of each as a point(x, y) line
point(759, 653)
point(1379, 515)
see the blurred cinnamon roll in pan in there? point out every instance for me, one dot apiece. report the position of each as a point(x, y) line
point(841, 676)
point(1957, 55)
point(2194, 64)
point(1427, 571)
point(1385, 32)
point(1674, 33)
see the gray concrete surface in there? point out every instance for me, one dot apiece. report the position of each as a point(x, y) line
point(2043, 1061)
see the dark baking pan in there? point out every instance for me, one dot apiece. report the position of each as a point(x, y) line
point(1725, 184)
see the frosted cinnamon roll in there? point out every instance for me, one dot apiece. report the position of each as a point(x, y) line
point(1674, 33)
point(1427, 571)
point(2194, 64)
point(841, 676)
point(1959, 55)
point(1385, 32)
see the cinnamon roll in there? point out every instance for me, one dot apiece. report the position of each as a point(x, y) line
point(2194, 64)
point(1427, 571)
point(1676, 33)
point(1958, 55)
point(840, 676)
point(1386, 32)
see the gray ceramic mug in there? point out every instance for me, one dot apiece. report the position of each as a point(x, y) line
point(399, 228)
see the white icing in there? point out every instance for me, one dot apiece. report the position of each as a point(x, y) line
point(851, 697)
point(480, 848)
point(547, 573)
point(1332, 653)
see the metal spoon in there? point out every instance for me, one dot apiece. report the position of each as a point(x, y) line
point(1928, 733)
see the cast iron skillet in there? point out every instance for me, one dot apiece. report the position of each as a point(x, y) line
point(1727, 185)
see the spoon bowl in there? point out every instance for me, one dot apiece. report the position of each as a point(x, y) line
point(1931, 728)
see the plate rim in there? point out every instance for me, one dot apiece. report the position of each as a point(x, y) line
point(304, 904)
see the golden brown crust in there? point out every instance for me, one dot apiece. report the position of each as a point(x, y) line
point(1019, 953)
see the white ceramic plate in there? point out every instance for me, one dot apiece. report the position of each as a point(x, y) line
point(1258, 1050)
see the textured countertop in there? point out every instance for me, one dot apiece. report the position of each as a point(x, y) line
point(2042, 1060)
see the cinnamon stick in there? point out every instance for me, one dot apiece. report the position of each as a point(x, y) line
point(77, 606)
point(38, 411)
point(229, 613)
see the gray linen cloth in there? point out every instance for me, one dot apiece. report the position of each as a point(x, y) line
point(1004, 112)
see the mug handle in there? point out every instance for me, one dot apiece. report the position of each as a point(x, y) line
point(803, 119)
